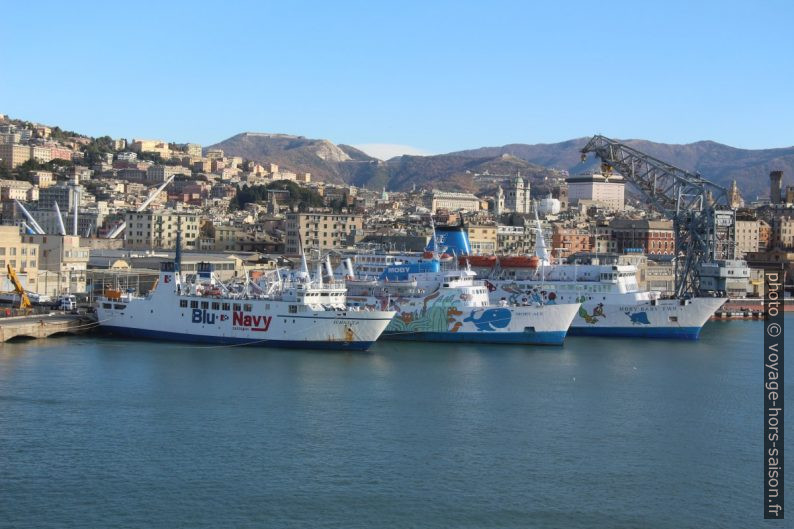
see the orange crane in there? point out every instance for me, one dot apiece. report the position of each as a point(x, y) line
point(24, 300)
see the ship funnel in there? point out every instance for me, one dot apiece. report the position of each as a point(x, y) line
point(329, 272)
point(349, 267)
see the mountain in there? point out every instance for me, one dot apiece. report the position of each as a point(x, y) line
point(456, 171)
point(719, 163)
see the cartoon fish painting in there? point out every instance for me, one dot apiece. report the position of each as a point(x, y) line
point(639, 318)
point(491, 319)
point(599, 310)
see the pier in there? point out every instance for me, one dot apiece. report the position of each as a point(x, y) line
point(44, 325)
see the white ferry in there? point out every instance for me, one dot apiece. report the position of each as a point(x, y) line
point(453, 306)
point(611, 302)
point(283, 311)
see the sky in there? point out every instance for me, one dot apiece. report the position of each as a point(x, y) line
point(422, 77)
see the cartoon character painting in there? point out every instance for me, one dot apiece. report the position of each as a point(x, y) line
point(598, 312)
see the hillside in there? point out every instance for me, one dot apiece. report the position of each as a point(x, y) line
point(455, 171)
point(719, 163)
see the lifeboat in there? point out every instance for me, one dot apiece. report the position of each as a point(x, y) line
point(518, 262)
point(111, 294)
point(481, 261)
point(427, 255)
point(445, 257)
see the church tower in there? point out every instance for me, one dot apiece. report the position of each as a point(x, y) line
point(518, 200)
point(499, 205)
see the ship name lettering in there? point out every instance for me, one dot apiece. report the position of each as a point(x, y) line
point(255, 323)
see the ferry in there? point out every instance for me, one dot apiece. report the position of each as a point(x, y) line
point(282, 310)
point(610, 302)
point(452, 306)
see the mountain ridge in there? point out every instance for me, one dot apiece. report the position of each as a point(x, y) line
point(342, 163)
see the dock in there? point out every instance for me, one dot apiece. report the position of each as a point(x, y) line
point(44, 325)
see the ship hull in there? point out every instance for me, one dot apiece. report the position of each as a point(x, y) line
point(620, 315)
point(669, 333)
point(528, 338)
point(169, 336)
point(445, 318)
point(251, 322)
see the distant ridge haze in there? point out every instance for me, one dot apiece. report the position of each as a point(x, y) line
point(364, 165)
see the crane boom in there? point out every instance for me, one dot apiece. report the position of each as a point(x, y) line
point(24, 300)
point(120, 228)
point(703, 222)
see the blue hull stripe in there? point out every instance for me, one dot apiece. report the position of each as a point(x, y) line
point(675, 333)
point(221, 340)
point(524, 338)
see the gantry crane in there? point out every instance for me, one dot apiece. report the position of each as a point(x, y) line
point(703, 222)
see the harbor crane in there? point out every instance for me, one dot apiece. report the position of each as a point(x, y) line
point(115, 232)
point(24, 300)
point(703, 222)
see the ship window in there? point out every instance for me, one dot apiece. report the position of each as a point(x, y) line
point(225, 306)
point(205, 304)
point(194, 304)
point(673, 319)
point(107, 306)
point(183, 303)
point(247, 307)
point(293, 309)
point(237, 307)
point(216, 305)
point(119, 307)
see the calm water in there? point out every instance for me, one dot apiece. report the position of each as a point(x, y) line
point(599, 433)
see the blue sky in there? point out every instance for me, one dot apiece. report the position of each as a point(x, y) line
point(433, 76)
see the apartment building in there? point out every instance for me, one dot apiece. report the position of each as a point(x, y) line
point(322, 230)
point(747, 237)
point(158, 174)
point(21, 255)
point(42, 179)
point(653, 237)
point(12, 155)
point(568, 241)
point(60, 153)
point(193, 149)
point(41, 154)
point(514, 240)
point(158, 230)
point(61, 193)
point(482, 239)
point(783, 233)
